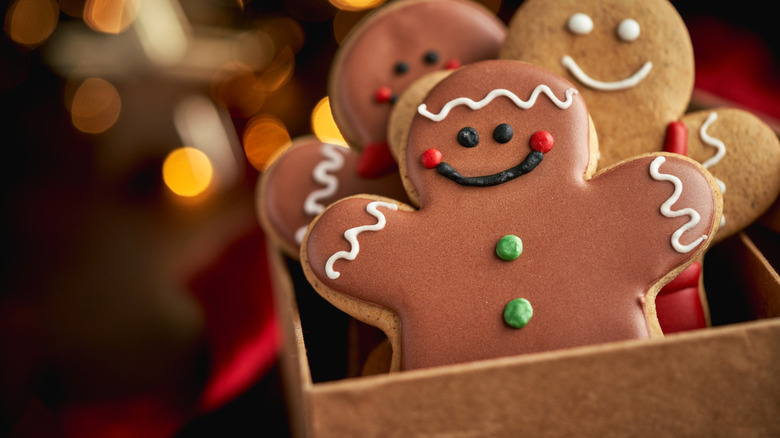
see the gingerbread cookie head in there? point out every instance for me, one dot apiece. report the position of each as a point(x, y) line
point(526, 111)
point(517, 247)
point(397, 44)
point(632, 60)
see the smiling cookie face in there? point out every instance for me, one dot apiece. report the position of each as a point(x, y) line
point(396, 45)
point(631, 60)
point(527, 114)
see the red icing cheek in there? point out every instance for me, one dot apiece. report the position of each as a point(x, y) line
point(383, 95)
point(452, 64)
point(542, 141)
point(431, 158)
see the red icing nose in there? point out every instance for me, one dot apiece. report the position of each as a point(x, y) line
point(452, 64)
point(542, 141)
point(383, 95)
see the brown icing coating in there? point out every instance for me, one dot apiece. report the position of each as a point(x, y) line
point(633, 120)
point(595, 250)
point(286, 185)
point(403, 31)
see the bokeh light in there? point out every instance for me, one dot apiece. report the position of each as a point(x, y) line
point(284, 32)
point(31, 22)
point(265, 137)
point(323, 125)
point(187, 171)
point(356, 5)
point(235, 86)
point(96, 106)
point(110, 16)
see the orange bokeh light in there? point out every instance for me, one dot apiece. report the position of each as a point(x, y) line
point(264, 138)
point(187, 172)
point(110, 16)
point(96, 106)
point(31, 22)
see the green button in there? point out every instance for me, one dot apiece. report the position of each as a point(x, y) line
point(518, 312)
point(509, 247)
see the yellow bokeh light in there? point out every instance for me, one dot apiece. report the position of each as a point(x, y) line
point(110, 16)
point(96, 106)
point(31, 22)
point(324, 126)
point(356, 5)
point(187, 171)
point(264, 138)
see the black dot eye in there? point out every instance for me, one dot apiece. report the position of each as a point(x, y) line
point(503, 133)
point(431, 57)
point(468, 137)
point(401, 67)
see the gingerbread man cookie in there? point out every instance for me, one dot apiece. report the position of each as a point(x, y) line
point(517, 246)
point(633, 63)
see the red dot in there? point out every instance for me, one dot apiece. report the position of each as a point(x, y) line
point(452, 64)
point(383, 95)
point(431, 158)
point(542, 141)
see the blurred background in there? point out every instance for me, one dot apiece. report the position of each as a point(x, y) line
point(135, 297)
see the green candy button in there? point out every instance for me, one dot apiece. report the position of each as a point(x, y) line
point(518, 312)
point(509, 247)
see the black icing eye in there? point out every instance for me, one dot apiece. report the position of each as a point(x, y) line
point(503, 133)
point(468, 137)
point(431, 57)
point(401, 67)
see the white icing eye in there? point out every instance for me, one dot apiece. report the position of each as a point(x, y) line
point(628, 30)
point(580, 24)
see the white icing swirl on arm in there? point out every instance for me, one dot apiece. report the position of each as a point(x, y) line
point(522, 104)
point(352, 233)
point(720, 146)
point(583, 77)
point(667, 211)
point(334, 161)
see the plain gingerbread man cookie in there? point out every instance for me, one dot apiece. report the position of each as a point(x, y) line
point(633, 62)
point(517, 246)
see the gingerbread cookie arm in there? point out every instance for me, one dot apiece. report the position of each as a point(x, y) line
point(678, 202)
point(339, 255)
point(304, 180)
point(743, 154)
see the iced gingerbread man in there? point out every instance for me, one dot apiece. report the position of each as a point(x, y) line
point(516, 245)
point(633, 62)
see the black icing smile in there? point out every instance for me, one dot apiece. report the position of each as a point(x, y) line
point(527, 165)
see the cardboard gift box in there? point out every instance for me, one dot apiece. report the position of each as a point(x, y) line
point(719, 381)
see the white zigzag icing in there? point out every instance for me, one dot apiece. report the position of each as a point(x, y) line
point(667, 211)
point(352, 233)
point(523, 104)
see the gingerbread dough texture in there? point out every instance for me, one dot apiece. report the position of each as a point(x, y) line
point(514, 228)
